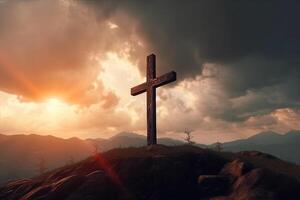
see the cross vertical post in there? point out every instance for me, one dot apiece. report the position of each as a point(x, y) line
point(151, 100)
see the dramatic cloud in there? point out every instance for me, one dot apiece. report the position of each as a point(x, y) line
point(237, 62)
point(215, 31)
point(255, 45)
point(52, 48)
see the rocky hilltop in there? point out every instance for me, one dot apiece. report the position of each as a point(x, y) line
point(160, 172)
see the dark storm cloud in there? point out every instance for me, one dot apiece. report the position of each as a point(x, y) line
point(256, 43)
point(185, 35)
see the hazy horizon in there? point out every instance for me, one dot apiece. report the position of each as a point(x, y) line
point(180, 137)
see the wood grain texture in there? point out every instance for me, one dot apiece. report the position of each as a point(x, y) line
point(151, 101)
point(139, 89)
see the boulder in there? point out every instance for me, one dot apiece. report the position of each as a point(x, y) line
point(236, 168)
point(265, 184)
point(213, 185)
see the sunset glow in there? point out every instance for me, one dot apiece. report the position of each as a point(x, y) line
point(53, 105)
point(114, 99)
point(66, 69)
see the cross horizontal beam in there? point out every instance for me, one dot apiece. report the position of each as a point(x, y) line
point(139, 89)
point(156, 82)
point(164, 79)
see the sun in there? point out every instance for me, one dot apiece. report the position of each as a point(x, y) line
point(53, 105)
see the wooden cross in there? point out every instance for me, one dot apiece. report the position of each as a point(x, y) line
point(150, 86)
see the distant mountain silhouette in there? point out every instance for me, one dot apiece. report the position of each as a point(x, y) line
point(284, 146)
point(160, 172)
point(21, 154)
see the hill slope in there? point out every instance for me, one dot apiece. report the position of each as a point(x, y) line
point(160, 172)
point(20, 155)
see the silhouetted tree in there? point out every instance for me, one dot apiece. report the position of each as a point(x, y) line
point(219, 146)
point(188, 136)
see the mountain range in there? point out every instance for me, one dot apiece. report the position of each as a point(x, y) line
point(21, 156)
point(284, 146)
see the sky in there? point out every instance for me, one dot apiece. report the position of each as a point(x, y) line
point(66, 67)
